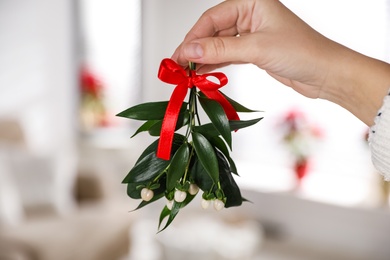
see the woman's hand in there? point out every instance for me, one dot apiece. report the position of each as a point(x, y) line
point(262, 32)
point(269, 35)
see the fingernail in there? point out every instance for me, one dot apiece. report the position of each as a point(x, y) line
point(194, 51)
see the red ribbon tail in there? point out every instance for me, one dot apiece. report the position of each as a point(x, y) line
point(231, 113)
point(169, 122)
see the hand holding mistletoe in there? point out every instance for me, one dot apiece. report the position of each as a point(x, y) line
point(177, 165)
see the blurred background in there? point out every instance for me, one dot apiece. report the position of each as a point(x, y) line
point(67, 67)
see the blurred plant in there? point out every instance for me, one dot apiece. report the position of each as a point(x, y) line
point(177, 166)
point(299, 136)
point(92, 109)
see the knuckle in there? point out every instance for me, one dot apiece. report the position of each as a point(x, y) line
point(219, 47)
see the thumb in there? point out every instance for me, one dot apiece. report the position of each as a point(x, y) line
point(217, 50)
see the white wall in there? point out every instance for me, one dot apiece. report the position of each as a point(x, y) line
point(111, 32)
point(38, 70)
point(38, 88)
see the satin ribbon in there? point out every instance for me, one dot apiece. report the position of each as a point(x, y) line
point(170, 72)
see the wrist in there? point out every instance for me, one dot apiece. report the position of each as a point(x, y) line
point(357, 83)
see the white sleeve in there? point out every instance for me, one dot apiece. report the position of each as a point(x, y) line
point(379, 140)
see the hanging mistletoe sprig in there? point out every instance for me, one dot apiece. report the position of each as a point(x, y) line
point(177, 165)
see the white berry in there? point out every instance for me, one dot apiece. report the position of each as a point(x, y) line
point(169, 204)
point(205, 204)
point(218, 204)
point(147, 194)
point(180, 196)
point(193, 190)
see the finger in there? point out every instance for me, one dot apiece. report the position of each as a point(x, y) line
point(211, 23)
point(217, 50)
point(216, 19)
point(204, 68)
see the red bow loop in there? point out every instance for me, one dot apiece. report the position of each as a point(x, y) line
point(170, 72)
point(203, 83)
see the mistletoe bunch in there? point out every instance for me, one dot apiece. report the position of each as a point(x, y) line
point(199, 155)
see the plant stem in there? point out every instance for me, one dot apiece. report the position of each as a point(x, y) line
point(196, 113)
point(192, 104)
point(192, 111)
point(192, 65)
point(188, 165)
point(161, 174)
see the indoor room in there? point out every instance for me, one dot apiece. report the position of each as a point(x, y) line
point(302, 168)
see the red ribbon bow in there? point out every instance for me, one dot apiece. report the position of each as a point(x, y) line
point(170, 72)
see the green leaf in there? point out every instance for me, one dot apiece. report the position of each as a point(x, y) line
point(238, 124)
point(188, 199)
point(209, 130)
point(237, 106)
point(221, 145)
point(246, 200)
point(150, 149)
point(164, 213)
point(228, 184)
point(148, 111)
point(182, 120)
point(136, 193)
point(178, 140)
point(172, 214)
point(145, 127)
point(233, 167)
point(132, 191)
point(218, 118)
point(147, 169)
point(178, 166)
point(148, 166)
point(155, 130)
point(200, 176)
point(206, 155)
point(175, 210)
point(145, 203)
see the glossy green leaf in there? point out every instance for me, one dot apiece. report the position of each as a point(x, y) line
point(182, 120)
point(150, 149)
point(147, 169)
point(200, 176)
point(218, 118)
point(148, 166)
point(228, 184)
point(178, 166)
point(145, 127)
point(132, 191)
point(238, 107)
point(246, 200)
point(178, 140)
point(209, 129)
point(171, 216)
point(148, 111)
point(239, 124)
point(221, 145)
point(164, 213)
point(145, 203)
point(172, 213)
point(155, 130)
point(206, 155)
point(135, 193)
point(233, 167)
